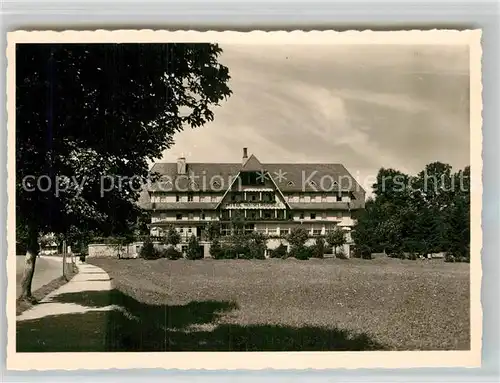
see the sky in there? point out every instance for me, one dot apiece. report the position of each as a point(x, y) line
point(367, 107)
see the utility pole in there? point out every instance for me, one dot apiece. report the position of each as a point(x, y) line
point(64, 258)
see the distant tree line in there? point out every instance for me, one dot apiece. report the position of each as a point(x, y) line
point(412, 216)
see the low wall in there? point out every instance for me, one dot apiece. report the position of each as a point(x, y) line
point(133, 250)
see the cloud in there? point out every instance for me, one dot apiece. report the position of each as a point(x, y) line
point(364, 106)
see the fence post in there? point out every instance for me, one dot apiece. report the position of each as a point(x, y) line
point(64, 258)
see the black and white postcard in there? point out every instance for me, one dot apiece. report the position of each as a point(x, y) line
point(230, 200)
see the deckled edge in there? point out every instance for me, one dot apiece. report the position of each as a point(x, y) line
point(55, 36)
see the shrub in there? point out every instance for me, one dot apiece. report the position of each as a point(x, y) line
point(148, 251)
point(335, 239)
point(228, 252)
point(172, 237)
point(449, 257)
point(318, 249)
point(171, 253)
point(193, 249)
point(362, 252)
point(279, 252)
point(258, 245)
point(341, 254)
point(212, 230)
point(243, 251)
point(413, 256)
point(301, 252)
point(398, 254)
point(216, 249)
point(258, 252)
point(366, 254)
point(298, 237)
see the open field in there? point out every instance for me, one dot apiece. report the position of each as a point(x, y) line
point(271, 305)
point(289, 304)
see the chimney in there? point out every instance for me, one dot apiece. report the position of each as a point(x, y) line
point(181, 165)
point(245, 155)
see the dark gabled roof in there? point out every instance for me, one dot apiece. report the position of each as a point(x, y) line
point(207, 177)
point(293, 177)
point(252, 164)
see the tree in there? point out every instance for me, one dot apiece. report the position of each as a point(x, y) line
point(257, 244)
point(172, 237)
point(143, 221)
point(148, 250)
point(297, 237)
point(335, 238)
point(193, 248)
point(212, 230)
point(89, 117)
point(238, 223)
point(418, 214)
point(216, 248)
point(319, 248)
point(457, 217)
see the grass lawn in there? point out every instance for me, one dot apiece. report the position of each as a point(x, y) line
point(285, 305)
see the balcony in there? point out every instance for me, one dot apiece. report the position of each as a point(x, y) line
point(251, 205)
point(259, 219)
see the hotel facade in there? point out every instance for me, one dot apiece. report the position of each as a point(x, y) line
point(270, 198)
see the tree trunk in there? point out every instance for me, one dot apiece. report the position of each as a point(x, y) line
point(29, 265)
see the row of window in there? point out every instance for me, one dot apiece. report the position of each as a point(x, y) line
point(254, 215)
point(275, 231)
point(190, 216)
point(312, 198)
point(190, 198)
point(323, 215)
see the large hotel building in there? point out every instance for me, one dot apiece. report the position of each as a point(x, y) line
point(270, 198)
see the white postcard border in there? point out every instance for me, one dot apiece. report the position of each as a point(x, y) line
point(258, 360)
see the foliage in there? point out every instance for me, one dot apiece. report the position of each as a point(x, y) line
point(193, 248)
point(47, 241)
point(144, 219)
point(90, 118)
point(238, 223)
point(212, 230)
point(335, 238)
point(412, 216)
point(279, 252)
point(148, 250)
point(171, 253)
point(112, 107)
point(216, 249)
point(319, 248)
point(172, 236)
point(301, 252)
point(298, 236)
point(341, 254)
point(240, 245)
point(244, 246)
point(257, 243)
point(361, 252)
point(119, 243)
point(228, 251)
